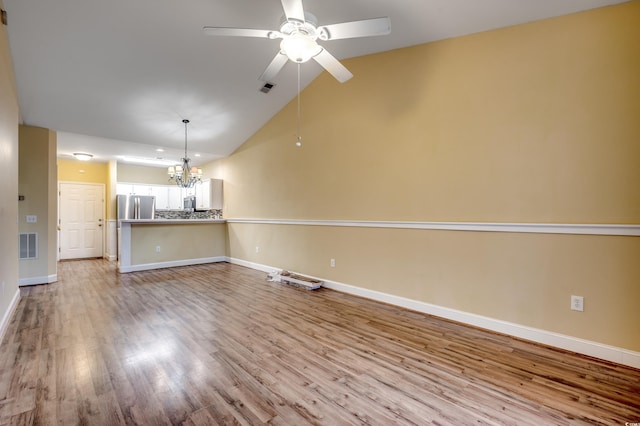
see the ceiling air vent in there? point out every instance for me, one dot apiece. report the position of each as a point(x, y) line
point(267, 87)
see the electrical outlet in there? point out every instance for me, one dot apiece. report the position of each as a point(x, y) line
point(257, 249)
point(577, 303)
point(157, 249)
point(31, 218)
point(332, 263)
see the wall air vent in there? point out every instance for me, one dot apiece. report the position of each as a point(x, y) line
point(28, 245)
point(267, 87)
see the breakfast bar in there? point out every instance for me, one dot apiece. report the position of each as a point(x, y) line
point(163, 243)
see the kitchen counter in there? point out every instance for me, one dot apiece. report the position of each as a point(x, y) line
point(145, 244)
point(171, 221)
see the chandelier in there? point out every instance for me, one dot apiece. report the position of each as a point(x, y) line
point(184, 175)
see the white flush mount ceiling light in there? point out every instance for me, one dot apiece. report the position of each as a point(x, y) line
point(184, 175)
point(82, 156)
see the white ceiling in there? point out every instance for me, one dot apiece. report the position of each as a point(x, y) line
point(126, 72)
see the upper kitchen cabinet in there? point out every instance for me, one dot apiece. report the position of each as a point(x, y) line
point(209, 194)
point(161, 192)
point(215, 194)
point(202, 194)
point(175, 198)
point(133, 189)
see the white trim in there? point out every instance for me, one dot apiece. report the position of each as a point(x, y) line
point(574, 344)
point(171, 264)
point(7, 315)
point(38, 280)
point(257, 266)
point(111, 243)
point(632, 230)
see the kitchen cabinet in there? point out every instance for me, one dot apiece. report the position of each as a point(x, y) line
point(168, 197)
point(202, 194)
point(208, 194)
point(161, 192)
point(215, 194)
point(124, 188)
point(175, 198)
point(134, 189)
point(141, 189)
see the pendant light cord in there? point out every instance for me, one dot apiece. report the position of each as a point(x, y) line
point(185, 121)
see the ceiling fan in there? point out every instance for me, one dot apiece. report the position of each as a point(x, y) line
point(299, 33)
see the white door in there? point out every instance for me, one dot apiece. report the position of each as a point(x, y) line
point(81, 220)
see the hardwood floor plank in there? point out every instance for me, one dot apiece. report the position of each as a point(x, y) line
point(219, 344)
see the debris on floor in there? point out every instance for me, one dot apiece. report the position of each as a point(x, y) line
point(296, 280)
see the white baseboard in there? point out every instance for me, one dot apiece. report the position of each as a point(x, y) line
point(573, 344)
point(171, 264)
point(257, 266)
point(38, 280)
point(7, 315)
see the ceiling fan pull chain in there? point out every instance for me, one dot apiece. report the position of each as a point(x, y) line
point(299, 140)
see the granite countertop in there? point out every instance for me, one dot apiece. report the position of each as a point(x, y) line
point(171, 221)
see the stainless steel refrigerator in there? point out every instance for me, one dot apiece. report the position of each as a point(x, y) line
point(136, 207)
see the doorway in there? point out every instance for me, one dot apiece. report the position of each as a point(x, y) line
point(80, 220)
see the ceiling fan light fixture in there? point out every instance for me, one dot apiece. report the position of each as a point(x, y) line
point(300, 47)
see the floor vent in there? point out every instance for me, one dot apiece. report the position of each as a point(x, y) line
point(28, 245)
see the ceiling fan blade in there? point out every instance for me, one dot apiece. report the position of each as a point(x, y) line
point(239, 32)
point(293, 9)
point(364, 28)
point(333, 66)
point(274, 67)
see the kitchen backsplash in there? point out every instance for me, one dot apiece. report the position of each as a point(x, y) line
point(179, 214)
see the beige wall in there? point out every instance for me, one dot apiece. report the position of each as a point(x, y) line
point(532, 123)
point(38, 185)
point(9, 117)
point(177, 242)
point(142, 174)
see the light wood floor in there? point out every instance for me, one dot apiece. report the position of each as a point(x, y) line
point(218, 344)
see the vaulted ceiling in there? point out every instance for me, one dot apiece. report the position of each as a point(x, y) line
point(116, 78)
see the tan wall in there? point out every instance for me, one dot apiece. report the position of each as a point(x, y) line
point(38, 185)
point(533, 123)
point(83, 171)
point(9, 118)
point(177, 242)
point(142, 174)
